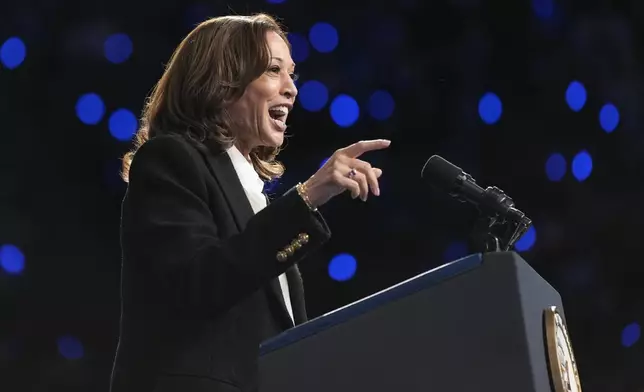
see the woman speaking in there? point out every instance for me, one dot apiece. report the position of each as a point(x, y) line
point(209, 267)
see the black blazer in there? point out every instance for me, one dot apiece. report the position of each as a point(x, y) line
point(199, 287)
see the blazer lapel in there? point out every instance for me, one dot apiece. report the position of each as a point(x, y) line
point(222, 169)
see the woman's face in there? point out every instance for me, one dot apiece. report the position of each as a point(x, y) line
point(259, 116)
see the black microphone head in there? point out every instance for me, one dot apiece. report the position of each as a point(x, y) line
point(441, 173)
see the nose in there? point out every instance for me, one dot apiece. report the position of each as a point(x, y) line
point(288, 88)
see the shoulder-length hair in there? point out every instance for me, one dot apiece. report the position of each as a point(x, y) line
point(209, 70)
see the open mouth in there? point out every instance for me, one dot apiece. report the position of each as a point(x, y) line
point(279, 114)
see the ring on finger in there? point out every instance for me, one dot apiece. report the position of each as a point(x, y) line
point(352, 173)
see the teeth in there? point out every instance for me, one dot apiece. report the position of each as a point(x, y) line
point(283, 109)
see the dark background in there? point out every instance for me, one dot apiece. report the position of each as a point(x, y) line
point(60, 192)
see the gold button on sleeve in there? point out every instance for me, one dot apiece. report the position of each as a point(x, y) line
point(303, 238)
point(289, 250)
point(281, 256)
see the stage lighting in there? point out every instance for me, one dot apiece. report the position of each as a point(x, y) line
point(527, 240)
point(490, 108)
point(90, 108)
point(342, 267)
point(313, 95)
point(299, 47)
point(123, 124)
point(381, 105)
point(555, 167)
point(344, 110)
point(609, 117)
point(543, 9)
point(576, 96)
point(11, 259)
point(117, 48)
point(582, 166)
point(323, 37)
point(70, 347)
point(13, 52)
point(631, 334)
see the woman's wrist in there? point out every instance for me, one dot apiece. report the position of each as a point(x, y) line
point(303, 191)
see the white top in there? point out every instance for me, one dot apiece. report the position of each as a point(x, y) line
point(253, 187)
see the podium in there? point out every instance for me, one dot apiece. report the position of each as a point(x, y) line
point(480, 323)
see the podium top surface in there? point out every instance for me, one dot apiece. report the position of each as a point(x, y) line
point(403, 289)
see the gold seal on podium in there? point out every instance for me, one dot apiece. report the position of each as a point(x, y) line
point(563, 368)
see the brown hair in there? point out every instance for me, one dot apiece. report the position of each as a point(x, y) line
point(209, 70)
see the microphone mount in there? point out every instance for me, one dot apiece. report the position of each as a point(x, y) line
point(495, 230)
point(500, 224)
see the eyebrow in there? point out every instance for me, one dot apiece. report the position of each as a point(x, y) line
point(281, 60)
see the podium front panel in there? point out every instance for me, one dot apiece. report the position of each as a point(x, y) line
point(472, 325)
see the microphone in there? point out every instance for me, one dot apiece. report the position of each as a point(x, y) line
point(447, 177)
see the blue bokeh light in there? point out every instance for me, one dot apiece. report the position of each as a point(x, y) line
point(123, 124)
point(344, 110)
point(582, 165)
point(323, 37)
point(11, 259)
point(381, 105)
point(70, 347)
point(527, 240)
point(90, 108)
point(275, 1)
point(117, 48)
point(342, 267)
point(631, 334)
point(313, 95)
point(13, 52)
point(576, 96)
point(323, 162)
point(543, 9)
point(609, 117)
point(455, 251)
point(556, 167)
point(299, 47)
point(490, 108)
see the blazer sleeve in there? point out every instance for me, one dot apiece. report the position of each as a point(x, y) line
point(169, 234)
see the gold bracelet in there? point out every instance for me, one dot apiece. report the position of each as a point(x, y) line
point(301, 190)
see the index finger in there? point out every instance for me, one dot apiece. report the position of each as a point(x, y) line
point(359, 148)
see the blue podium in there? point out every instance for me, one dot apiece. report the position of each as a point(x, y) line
point(482, 323)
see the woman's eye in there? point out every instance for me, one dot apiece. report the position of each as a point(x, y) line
point(274, 69)
point(295, 77)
